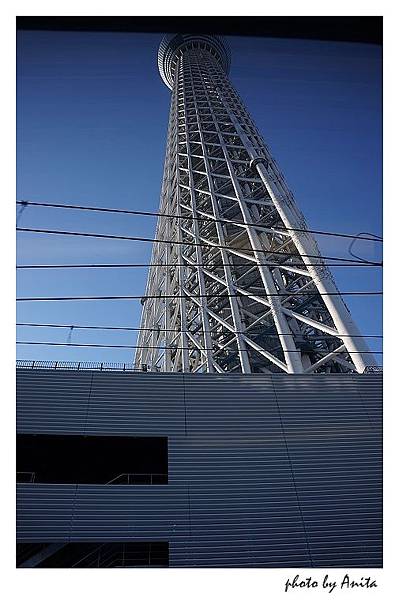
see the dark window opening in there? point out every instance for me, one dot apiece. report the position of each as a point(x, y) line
point(112, 460)
point(93, 555)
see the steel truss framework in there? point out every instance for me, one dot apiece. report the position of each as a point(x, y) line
point(223, 318)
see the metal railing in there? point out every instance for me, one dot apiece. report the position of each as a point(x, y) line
point(79, 366)
point(139, 479)
point(121, 479)
point(373, 369)
point(104, 366)
point(25, 476)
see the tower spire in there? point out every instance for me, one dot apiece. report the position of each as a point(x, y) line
point(237, 287)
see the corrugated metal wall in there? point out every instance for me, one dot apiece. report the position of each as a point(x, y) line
point(264, 470)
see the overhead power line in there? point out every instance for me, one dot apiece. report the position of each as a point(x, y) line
point(249, 295)
point(145, 265)
point(357, 238)
point(161, 329)
point(29, 343)
point(182, 243)
point(202, 219)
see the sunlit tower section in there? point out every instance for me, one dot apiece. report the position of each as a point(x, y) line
point(236, 282)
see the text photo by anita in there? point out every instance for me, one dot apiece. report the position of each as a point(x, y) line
point(329, 584)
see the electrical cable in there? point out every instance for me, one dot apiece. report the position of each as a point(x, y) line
point(358, 238)
point(203, 219)
point(23, 206)
point(249, 294)
point(178, 331)
point(29, 343)
point(149, 265)
point(179, 242)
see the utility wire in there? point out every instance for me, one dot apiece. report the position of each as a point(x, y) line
point(249, 295)
point(29, 343)
point(182, 243)
point(143, 265)
point(203, 219)
point(21, 210)
point(177, 331)
point(358, 238)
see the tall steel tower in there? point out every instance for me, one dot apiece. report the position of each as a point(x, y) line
point(236, 282)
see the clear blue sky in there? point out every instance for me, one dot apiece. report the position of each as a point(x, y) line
point(91, 127)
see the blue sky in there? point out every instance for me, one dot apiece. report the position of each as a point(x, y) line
point(91, 126)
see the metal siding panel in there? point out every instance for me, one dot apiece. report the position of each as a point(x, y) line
point(244, 509)
point(89, 512)
point(127, 403)
point(264, 470)
point(50, 401)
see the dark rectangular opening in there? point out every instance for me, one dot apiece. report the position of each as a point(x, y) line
point(113, 460)
point(93, 555)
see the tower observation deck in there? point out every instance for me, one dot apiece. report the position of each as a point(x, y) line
point(236, 282)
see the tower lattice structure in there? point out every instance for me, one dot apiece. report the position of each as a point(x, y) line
point(236, 282)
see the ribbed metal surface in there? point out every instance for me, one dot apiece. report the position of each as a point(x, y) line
point(100, 403)
point(95, 512)
point(264, 470)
